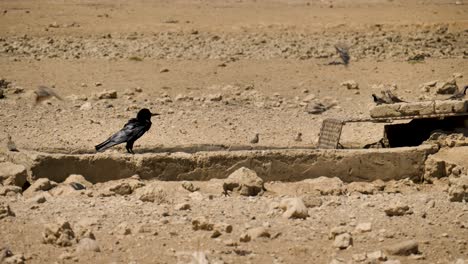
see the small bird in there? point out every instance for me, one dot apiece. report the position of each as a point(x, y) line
point(133, 130)
point(298, 137)
point(379, 100)
point(43, 93)
point(344, 54)
point(459, 95)
point(255, 139)
point(392, 97)
point(11, 146)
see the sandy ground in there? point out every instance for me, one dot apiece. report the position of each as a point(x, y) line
point(219, 72)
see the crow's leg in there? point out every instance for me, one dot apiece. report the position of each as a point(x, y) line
point(129, 147)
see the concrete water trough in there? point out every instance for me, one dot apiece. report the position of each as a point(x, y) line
point(271, 165)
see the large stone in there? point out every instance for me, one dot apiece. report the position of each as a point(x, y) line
point(385, 110)
point(417, 108)
point(10, 190)
point(245, 181)
point(258, 232)
point(458, 190)
point(434, 168)
point(60, 234)
point(152, 193)
point(404, 248)
point(41, 184)
point(325, 185)
point(447, 87)
point(112, 94)
point(361, 187)
point(451, 106)
point(294, 208)
point(397, 210)
point(12, 174)
point(343, 241)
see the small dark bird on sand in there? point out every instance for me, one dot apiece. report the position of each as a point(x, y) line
point(344, 54)
point(459, 95)
point(392, 97)
point(43, 93)
point(379, 100)
point(133, 130)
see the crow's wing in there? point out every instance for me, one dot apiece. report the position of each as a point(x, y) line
point(130, 132)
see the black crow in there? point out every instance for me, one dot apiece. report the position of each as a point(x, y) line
point(44, 93)
point(379, 100)
point(133, 130)
point(344, 54)
point(459, 95)
point(392, 97)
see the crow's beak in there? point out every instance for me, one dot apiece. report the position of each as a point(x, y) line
point(155, 114)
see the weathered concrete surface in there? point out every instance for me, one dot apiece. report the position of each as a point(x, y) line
point(420, 108)
point(272, 165)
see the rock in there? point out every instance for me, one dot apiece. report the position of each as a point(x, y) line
point(60, 234)
point(121, 188)
point(182, 206)
point(404, 248)
point(245, 237)
point(343, 241)
point(294, 208)
point(189, 186)
point(311, 201)
point(5, 211)
point(215, 234)
point(230, 243)
point(12, 174)
point(147, 228)
point(40, 198)
point(10, 190)
point(41, 184)
point(361, 187)
point(123, 229)
point(112, 94)
point(458, 190)
point(337, 231)
point(87, 244)
point(202, 224)
point(350, 85)
point(316, 108)
point(434, 169)
point(223, 227)
point(325, 185)
point(359, 257)
point(86, 106)
point(196, 196)
point(215, 97)
point(14, 259)
point(244, 181)
point(152, 193)
point(397, 210)
point(376, 256)
point(363, 227)
point(258, 232)
point(447, 87)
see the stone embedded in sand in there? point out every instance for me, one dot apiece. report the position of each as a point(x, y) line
point(337, 231)
point(245, 237)
point(350, 85)
point(376, 256)
point(182, 206)
point(202, 223)
point(458, 190)
point(152, 193)
point(245, 181)
point(189, 186)
point(258, 232)
point(325, 185)
point(123, 229)
point(5, 211)
point(397, 210)
point(404, 248)
point(87, 244)
point(311, 201)
point(39, 198)
point(364, 227)
point(112, 94)
point(343, 241)
point(294, 208)
point(10, 190)
point(121, 188)
point(223, 227)
point(447, 87)
point(41, 184)
point(60, 234)
point(434, 168)
point(361, 187)
point(12, 174)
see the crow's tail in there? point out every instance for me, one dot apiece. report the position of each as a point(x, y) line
point(105, 145)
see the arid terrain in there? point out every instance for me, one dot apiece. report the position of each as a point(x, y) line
point(220, 72)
